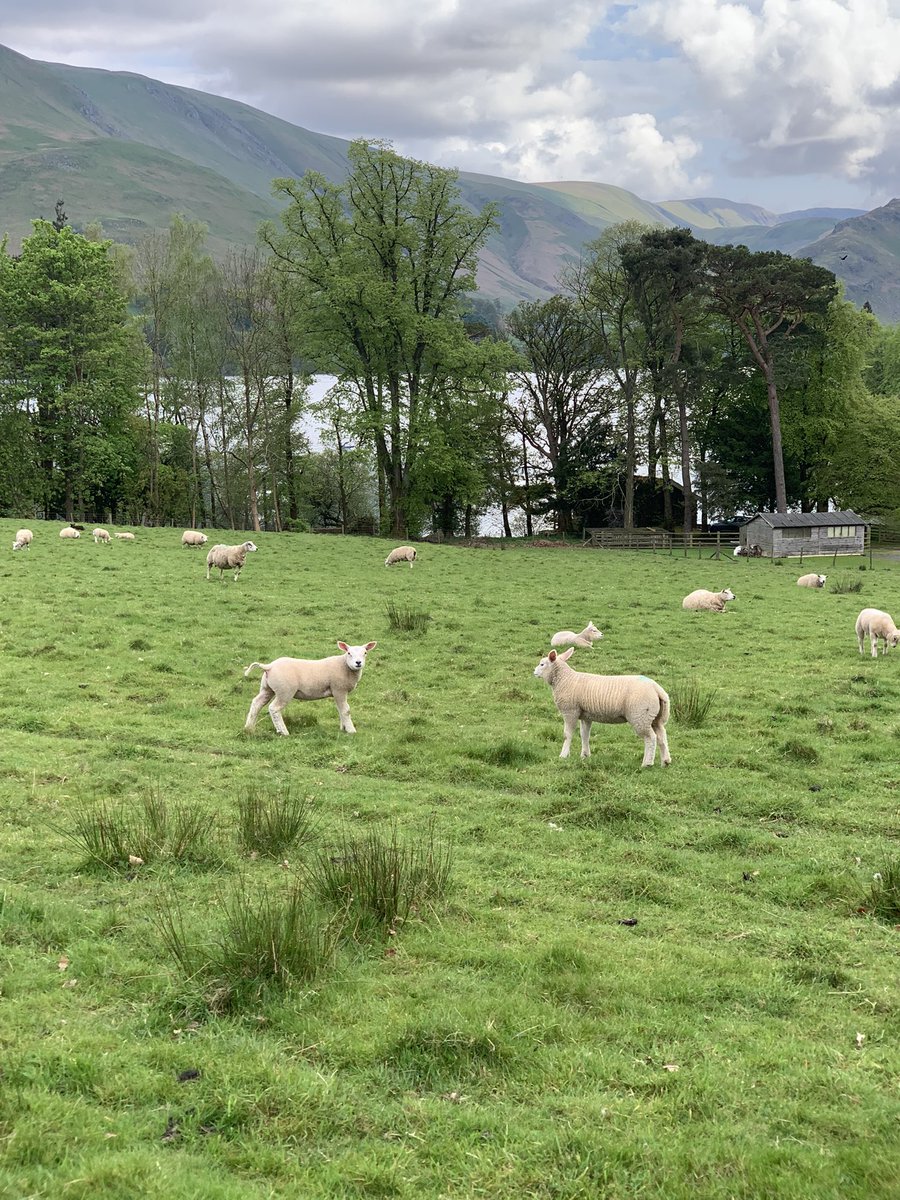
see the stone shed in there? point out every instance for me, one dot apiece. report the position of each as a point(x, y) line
point(786, 535)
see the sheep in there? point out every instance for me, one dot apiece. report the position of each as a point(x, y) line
point(227, 558)
point(69, 533)
point(401, 554)
point(124, 537)
point(24, 538)
point(610, 699)
point(751, 551)
point(286, 679)
point(101, 535)
point(813, 581)
point(191, 537)
point(584, 640)
point(705, 601)
point(875, 624)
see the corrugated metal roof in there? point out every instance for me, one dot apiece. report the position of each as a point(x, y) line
point(798, 520)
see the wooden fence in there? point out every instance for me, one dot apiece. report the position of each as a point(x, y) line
point(705, 545)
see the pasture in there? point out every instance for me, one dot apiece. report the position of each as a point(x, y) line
point(671, 984)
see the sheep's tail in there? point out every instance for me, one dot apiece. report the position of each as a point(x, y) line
point(663, 715)
point(262, 666)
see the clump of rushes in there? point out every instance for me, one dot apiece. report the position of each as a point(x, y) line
point(404, 619)
point(691, 703)
point(883, 899)
point(272, 823)
point(119, 837)
point(843, 584)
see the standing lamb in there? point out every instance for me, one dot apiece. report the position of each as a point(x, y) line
point(24, 538)
point(124, 537)
point(191, 537)
point(875, 624)
point(813, 581)
point(228, 558)
point(584, 640)
point(69, 534)
point(401, 554)
point(609, 699)
point(705, 601)
point(286, 679)
point(101, 535)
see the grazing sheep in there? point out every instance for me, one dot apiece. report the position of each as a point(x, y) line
point(124, 537)
point(101, 535)
point(24, 538)
point(814, 581)
point(705, 601)
point(875, 624)
point(584, 640)
point(191, 537)
point(751, 551)
point(69, 533)
point(610, 699)
point(228, 558)
point(401, 554)
point(287, 679)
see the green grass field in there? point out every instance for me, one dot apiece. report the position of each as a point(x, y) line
point(512, 1037)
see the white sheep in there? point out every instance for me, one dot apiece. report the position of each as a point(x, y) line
point(286, 679)
point(228, 558)
point(101, 535)
point(813, 581)
point(401, 554)
point(875, 624)
point(191, 537)
point(705, 601)
point(610, 699)
point(584, 640)
point(124, 537)
point(69, 533)
point(24, 538)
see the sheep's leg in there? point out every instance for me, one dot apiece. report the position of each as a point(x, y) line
point(873, 644)
point(569, 723)
point(649, 736)
point(208, 569)
point(277, 719)
point(664, 756)
point(259, 702)
point(237, 572)
point(344, 713)
point(861, 638)
point(585, 726)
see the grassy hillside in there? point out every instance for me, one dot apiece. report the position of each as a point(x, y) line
point(865, 252)
point(787, 236)
point(675, 984)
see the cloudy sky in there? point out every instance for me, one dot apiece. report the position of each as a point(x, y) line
point(785, 103)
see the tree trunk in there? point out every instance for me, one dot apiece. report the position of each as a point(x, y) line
point(777, 450)
point(685, 463)
point(529, 529)
point(630, 462)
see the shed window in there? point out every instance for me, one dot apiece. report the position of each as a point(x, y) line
point(841, 531)
point(796, 533)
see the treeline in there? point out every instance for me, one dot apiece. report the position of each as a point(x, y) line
point(667, 378)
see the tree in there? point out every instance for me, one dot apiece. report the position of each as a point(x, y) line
point(386, 260)
point(767, 295)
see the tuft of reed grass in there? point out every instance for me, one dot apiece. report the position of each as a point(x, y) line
point(691, 703)
point(843, 584)
point(404, 619)
point(883, 900)
point(118, 837)
point(271, 823)
point(380, 880)
point(268, 941)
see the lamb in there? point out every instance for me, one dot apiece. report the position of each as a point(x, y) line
point(610, 699)
point(24, 538)
point(191, 537)
point(286, 679)
point(584, 640)
point(101, 535)
point(813, 581)
point(401, 554)
point(705, 601)
point(875, 624)
point(750, 551)
point(228, 558)
point(124, 537)
point(69, 533)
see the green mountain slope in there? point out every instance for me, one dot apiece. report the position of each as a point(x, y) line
point(786, 236)
point(865, 252)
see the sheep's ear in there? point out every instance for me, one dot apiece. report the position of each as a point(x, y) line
point(552, 656)
point(370, 646)
point(567, 654)
point(343, 646)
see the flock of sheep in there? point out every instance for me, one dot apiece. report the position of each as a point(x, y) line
point(581, 698)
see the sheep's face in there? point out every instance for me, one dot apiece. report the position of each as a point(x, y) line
point(822, 579)
point(355, 656)
point(894, 639)
point(545, 666)
point(248, 546)
point(593, 632)
point(727, 594)
point(18, 545)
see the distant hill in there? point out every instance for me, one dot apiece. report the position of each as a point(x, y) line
point(129, 151)
point(864, 251)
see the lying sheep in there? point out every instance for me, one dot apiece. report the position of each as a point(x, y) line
point(875, 624)
point(401, 554)
point(24, 538)
point(609, 699)
point(705, 601)
point(124, 537)
point(228, 558)
point(814, 581)
point(584, 640)
point(191, 537)
point(287, 679)
point(101, 535)
point(751, 551)
point(69, 533)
